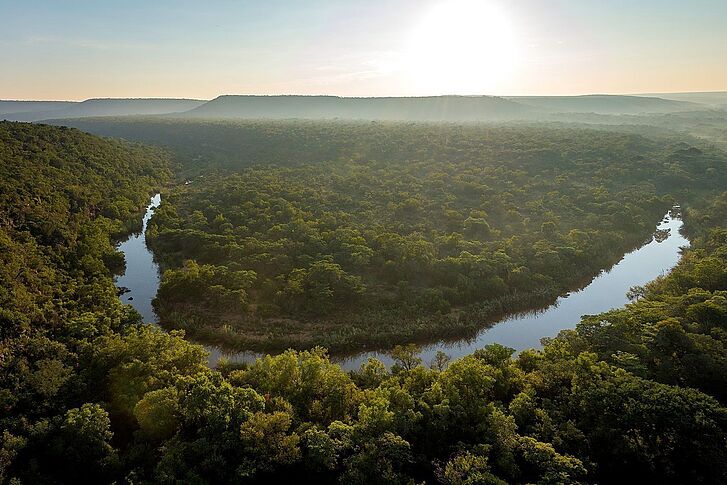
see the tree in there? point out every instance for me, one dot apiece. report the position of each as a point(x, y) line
point(267, 445)
point(406, 357)
point(440, 361)
point(83, 445)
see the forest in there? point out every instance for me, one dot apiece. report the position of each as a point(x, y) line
point(90, 394)
point(404, 232)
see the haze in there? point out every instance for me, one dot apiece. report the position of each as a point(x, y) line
point(84, 49)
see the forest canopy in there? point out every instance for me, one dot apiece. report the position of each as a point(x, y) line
point(90, 394)
point(360, 235)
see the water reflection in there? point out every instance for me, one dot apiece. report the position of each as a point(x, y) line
point(140, 281)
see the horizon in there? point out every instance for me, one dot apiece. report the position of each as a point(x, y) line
point(504, 96)
point(401, 48)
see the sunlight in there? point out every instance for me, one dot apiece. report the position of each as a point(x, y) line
point(463, 47)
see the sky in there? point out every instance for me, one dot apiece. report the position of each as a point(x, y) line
point(74, 50)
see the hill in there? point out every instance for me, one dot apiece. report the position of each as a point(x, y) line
point(106, 107)
point(604, 104)
point(432, 108)
point(12, 106)
point(716, 99)
point(435, 108)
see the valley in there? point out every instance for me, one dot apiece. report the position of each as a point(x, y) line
point(362, 288)
point(400, 242)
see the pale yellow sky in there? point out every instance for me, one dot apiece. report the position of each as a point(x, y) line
point(83, 49)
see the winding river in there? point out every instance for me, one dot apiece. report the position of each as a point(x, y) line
point(523, 331)
point(140, 281)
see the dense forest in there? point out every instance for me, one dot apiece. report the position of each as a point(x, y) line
point(404, 231)
point(64, 195)
point(89, 394)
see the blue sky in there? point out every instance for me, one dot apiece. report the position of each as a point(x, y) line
point(81, 49)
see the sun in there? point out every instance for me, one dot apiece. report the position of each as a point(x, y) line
point(462, 47)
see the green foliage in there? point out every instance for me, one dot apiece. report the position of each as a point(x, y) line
point(87, 429)
point(405, 357)
point(319, 289)
point(469, 469)
point(371, 234)
point(88, 394)
point(207, 286)
point(266, 439)
point(64, 197)
point(158, 413)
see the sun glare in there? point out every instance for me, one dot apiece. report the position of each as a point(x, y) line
point(462, 47)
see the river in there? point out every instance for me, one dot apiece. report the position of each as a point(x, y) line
point(140, 281)
point(606, 291)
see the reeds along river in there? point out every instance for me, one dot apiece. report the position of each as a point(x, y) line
point(608, 290)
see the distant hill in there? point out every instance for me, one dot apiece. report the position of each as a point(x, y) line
point(435, 108)
point(432, 108)
point(107, 107)
point(713, 99)
point(11, 106)
point(605, 104)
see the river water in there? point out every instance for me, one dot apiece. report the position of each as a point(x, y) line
point(524, 331)
point(141, 277)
